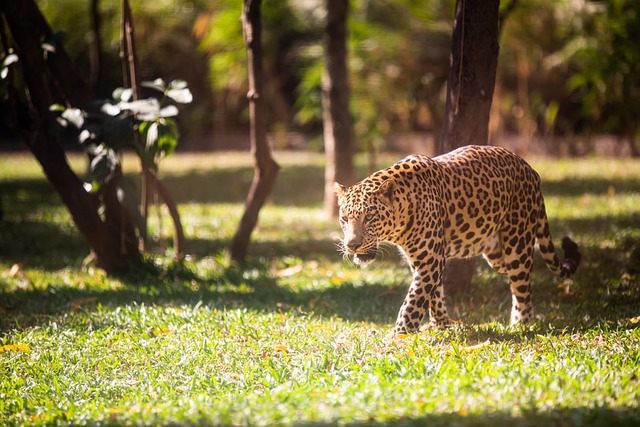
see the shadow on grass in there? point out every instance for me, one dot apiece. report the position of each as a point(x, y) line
point(252, 287)
point(602, 297)
point(565, 417)
point(41, 244)
point(593, 186)
point(295, 185)
point(49, 246)
point(304, 186)
point(30, 241)
point(307, 249)
point(255, 286)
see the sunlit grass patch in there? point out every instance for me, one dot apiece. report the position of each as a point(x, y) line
point(297, 334)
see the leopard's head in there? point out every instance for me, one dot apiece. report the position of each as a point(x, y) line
point(366, 217)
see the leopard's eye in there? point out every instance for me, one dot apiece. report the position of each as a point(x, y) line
point(368, 218)
point(343, 218)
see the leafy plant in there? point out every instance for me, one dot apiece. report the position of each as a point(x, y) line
point(106, 127)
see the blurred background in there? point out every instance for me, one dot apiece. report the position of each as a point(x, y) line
point(568, 78)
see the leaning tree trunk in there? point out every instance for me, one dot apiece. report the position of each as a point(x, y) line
point(112, 240)
point(472, 75)
point(338, 140)
point(266, 168)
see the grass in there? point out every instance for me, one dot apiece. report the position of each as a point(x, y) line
point(296, 335)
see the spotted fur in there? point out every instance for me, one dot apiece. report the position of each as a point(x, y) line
point(471, 201)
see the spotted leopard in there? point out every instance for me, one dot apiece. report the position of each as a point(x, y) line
point(474, 200)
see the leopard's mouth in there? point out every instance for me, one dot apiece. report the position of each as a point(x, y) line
point(365, 258)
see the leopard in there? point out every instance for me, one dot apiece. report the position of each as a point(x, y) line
point(475, 200)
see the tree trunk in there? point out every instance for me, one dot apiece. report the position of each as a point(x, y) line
point(338, 140)
point(179, 240)
point(112, 240)
point(472, 74)
point(95, 48)
point(632, 131)
point(149, 181)
point(129, 62)
point(266, 168)
point(73, 88)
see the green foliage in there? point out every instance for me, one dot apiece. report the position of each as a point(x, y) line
point(397, 58)
point(565, 67)
point(390, 75)
point(608, 64)
point(225, 42)
point(589, 60)
point(296, 335)
point(108, 127)
point(309, 100)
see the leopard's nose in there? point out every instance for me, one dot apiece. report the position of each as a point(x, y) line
point(354, 244)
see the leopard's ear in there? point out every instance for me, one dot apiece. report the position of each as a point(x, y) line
point(340, 190)
point(385, 191)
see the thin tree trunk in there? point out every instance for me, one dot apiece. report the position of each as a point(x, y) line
point(95, 47)
point(179, 239)
point(149, 181)
point(632, 131)
point(338, 139)
point(129, 62)
point(472, 74)
point(265, 168)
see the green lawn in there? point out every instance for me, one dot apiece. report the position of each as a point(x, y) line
point(297, 335)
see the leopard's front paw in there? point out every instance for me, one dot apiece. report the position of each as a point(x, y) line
point(444, 323)
point(402, 329)
point(391, 336)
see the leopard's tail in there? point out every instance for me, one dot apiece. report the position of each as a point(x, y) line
point(572, 255)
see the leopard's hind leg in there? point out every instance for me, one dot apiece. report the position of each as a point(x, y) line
point(518, 261)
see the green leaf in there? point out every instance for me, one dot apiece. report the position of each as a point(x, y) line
point(48, 48)
point(143, 127)
point(168, 111)
point(103, 164)
point(85, 136)
point(110, 109)
point(161, 136)
point(577, 81)
point(122, 94)
point(10, 59)
point(158, 84)
point(115, 132)
point(182, 96)
point(75, 116)
point(177, 84)
point(167, 143)
point(151, 135)
point(57, 107)
point(143, 109)
point(551, 113)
